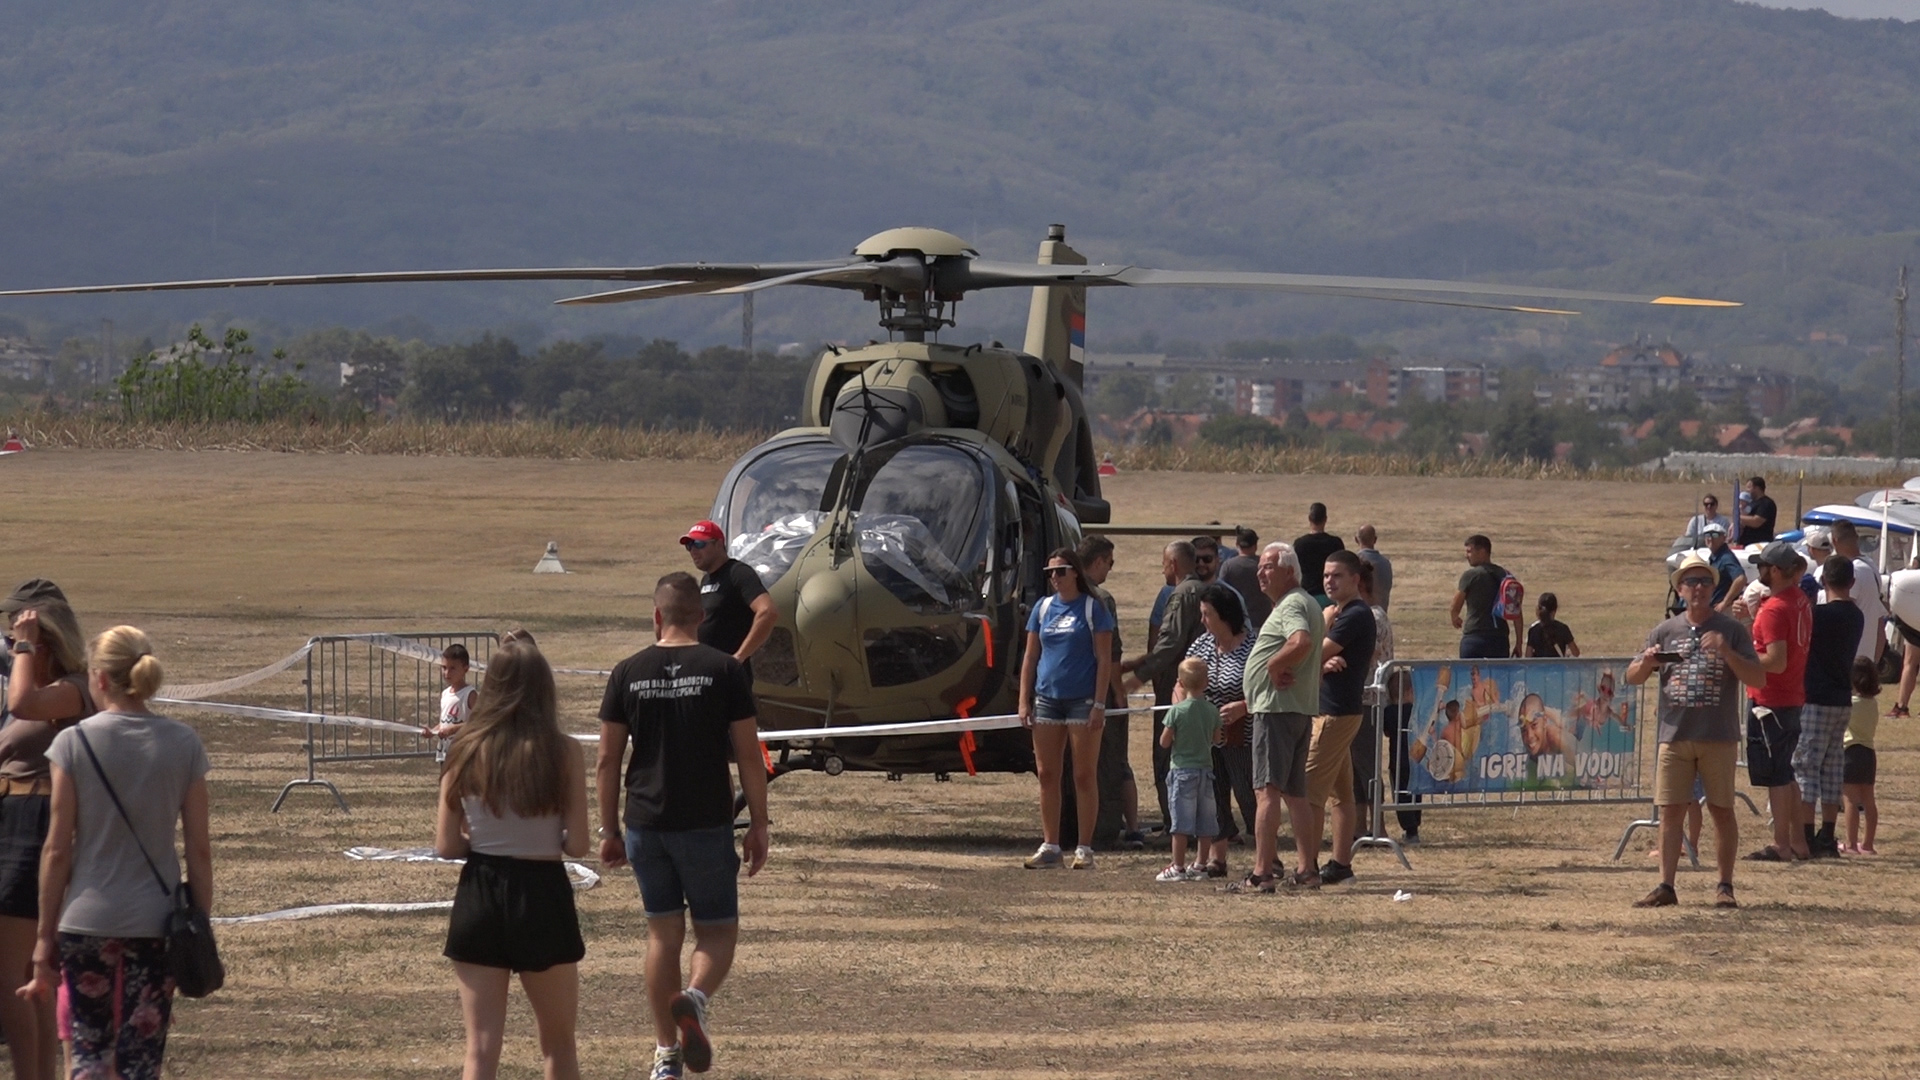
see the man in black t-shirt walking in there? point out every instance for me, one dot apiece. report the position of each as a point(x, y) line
point(686, 707)
point(738, 612)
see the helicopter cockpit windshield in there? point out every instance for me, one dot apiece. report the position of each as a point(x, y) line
point(923, 516)
point(924, 520)
point(772, 507)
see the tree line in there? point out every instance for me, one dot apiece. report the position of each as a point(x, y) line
point(346, 374)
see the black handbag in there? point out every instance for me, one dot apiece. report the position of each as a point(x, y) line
point(192, 958)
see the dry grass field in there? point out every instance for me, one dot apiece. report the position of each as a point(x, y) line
point(894, 934)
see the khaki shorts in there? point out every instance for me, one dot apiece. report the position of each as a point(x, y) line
point(1330, 760)
point(1682, 760)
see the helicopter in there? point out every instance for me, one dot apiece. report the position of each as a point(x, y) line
point(903, 526)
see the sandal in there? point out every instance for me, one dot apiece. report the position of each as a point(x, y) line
point(1723, 896)
point(1252, 883)
point(1898, 712)
point(1216, 869)
point(1297, 880)
point(1767, 854)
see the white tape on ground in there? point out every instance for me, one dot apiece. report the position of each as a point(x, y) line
point(581, 877)
point(319, 910)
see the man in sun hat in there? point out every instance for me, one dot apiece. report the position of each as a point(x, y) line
point(1702, 656)
point(739, 613)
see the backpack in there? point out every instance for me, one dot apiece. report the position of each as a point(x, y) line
point(1509, 601)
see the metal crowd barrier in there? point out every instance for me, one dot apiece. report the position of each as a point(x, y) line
point(391, 677)
point(1489, 733)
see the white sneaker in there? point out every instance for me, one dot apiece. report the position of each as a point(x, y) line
point(1082, 858)
point(1047, 858)
point(1174, 872)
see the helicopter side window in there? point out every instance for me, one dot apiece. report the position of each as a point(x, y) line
point(925, 521)
point(772, 508)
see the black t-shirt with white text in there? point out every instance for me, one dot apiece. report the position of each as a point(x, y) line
point(677, 703)
point(727, 596)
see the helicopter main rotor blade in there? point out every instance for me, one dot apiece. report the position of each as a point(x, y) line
point(986, 275)
point(902, 275)
point(716, 274)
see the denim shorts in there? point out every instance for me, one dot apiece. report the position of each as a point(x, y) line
point(1190, 802)
point(696, 871)
point(1053, 710)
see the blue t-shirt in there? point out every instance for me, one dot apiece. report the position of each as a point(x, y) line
point(1729, 566)
point(1068, 666)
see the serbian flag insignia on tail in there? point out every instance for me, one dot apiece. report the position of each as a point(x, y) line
point(1076, 335)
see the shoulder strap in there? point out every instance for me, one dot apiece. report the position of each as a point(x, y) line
point(115, 796)
point(1086, 612)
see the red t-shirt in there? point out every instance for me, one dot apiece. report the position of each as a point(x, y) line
point(1785, 617)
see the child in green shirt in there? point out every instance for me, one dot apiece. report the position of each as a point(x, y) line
point(1190, 730)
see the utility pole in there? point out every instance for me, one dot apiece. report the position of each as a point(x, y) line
point(1899, 361)
point(746, 325)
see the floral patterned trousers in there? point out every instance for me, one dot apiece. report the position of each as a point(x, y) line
point(117, 1000)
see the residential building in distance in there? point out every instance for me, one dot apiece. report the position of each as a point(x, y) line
point(1629, 373)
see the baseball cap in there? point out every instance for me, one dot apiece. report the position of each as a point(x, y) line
point(705, 530)
point(31, 593)
point(1780, 555)
point(1713, 527)
point(1818, 536)
point(1693, 562)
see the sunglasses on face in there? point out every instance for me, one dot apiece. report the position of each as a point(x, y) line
point(1204, 558)
point(1056, 571)
point(1695, 582)
point(695, 545)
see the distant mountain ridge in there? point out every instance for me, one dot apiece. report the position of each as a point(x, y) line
point(1717, 147)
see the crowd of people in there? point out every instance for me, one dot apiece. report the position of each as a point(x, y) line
point(1804, 641)
point(1262, 664)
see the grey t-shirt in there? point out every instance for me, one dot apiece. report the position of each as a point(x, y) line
point(152, 761)
point(1382, 577)
point(1700, 695)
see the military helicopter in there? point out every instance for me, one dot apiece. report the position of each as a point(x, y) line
point(902, 528)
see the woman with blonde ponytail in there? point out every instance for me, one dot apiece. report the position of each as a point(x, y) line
point(102, 915)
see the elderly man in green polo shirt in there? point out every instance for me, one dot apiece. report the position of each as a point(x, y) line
point(1282, 685)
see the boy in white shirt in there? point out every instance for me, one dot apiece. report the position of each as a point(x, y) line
point(456, 701)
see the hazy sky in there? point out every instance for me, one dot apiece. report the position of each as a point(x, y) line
point(1855, 9)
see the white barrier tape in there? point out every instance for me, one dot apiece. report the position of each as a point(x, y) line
point(261, 712)
point(602, 673)
point(216, 689)
point(953, 726)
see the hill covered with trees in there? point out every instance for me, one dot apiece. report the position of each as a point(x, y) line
point(1704, 146)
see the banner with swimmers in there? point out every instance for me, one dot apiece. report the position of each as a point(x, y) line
point(1558, 728)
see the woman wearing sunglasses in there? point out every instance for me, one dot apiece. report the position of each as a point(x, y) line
point(1069, 648)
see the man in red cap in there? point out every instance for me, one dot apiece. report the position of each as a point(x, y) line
point(739, 613)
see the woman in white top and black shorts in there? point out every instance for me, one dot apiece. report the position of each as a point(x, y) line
point(513, 801)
